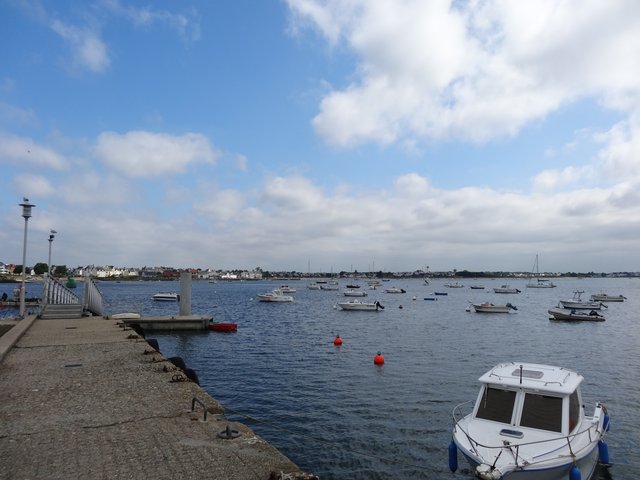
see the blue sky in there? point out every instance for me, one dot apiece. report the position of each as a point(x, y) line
point(327, 134)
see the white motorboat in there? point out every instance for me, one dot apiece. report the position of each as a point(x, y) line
point(329, 286)
point(575, 315)
point(529, 422)
point(453, 285)
point(539, 282)
point(357, 305)
point(355, 293)
point(577, 303)
point(167, 297)
point(603, 297)
point(287, 289)
point(275, 295)
point(395, 290)
point(505, 289)
point(487, 307)
point(313, 286)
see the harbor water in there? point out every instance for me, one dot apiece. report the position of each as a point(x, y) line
point(336, 414)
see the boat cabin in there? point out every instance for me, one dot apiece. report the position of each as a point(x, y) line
point(530, 396)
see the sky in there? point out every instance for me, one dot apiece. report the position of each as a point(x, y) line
point(322, 135)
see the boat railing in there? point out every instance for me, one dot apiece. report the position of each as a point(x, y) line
point(92, 296)
point(594, 431)
point(54, 292)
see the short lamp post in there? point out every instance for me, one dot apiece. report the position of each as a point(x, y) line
point(52, 235)
point(26, 214)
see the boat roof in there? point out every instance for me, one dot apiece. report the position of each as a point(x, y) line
point(545, 378)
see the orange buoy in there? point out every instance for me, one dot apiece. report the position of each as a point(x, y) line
point(378, 359)
point(338, 341)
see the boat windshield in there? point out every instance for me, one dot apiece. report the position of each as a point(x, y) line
point(496, 405)
point(542, 412)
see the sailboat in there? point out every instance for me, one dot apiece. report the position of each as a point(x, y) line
point(538, 282)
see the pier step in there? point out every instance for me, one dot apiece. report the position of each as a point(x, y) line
point(53, 312)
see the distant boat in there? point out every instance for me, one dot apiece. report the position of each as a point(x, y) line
point(539, 282)
point(505, 289)
point(354, 293)
point(313, 286)
point(603, 297)
point(395, 290)
point(287, 289)
point(487, 307)
point(453, 285)
point(577, 303)
point(275, 295)
point(167, 297)
point(357, 305)
point(477, 287)
point(575, 315)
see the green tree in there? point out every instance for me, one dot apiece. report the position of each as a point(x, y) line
point(60, 270)
point(40, 268)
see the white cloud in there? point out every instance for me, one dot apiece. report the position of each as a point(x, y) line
point(33, 186)
point(26, 152)
point(147, 154)
point(89, 51)
point(185, 24)
point(475, 70)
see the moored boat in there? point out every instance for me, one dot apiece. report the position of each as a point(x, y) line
point(223, 327)
point(287, 289)
point(453, 285)
point(167, 297)
point(575, 315)
point(354, 293)
point(505, 289)
point(539, 282)
point(275, 295)
point(395, 290)
point(487, 307)
point(603, 297)
point(577, 303)
point(357, 305)
point(528, 422)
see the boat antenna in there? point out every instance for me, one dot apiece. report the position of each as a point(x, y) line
point(520, 374)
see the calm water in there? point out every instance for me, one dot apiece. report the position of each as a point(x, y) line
point(337, 415)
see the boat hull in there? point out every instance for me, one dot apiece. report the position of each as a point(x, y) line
point(360, 306)
point(480, 308)
point(587, 465)
point(223, 327)
point(575, 316)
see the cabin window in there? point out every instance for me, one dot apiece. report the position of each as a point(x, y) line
point(574, 411)
point(542, 412)
point(496, 405)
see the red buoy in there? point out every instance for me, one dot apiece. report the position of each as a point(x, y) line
point(338, 341)
point(378, 359)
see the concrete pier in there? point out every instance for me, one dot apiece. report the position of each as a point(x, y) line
point(85, 398)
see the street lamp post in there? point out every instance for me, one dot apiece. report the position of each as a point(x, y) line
point(26, 214)
point(52, 235)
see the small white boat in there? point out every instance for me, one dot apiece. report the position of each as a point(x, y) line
point(287, 289)
point(575, 315)
point(354, 293)
point(453, 285)
point(275, 295)
point(313, 286)
point(603, 297)
point(577, 303)
point(167, 297)
point(529, 422)
point(329, 286)
point(357, 305)
point(487, 307)
point(395, 290)
point(505, 289)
